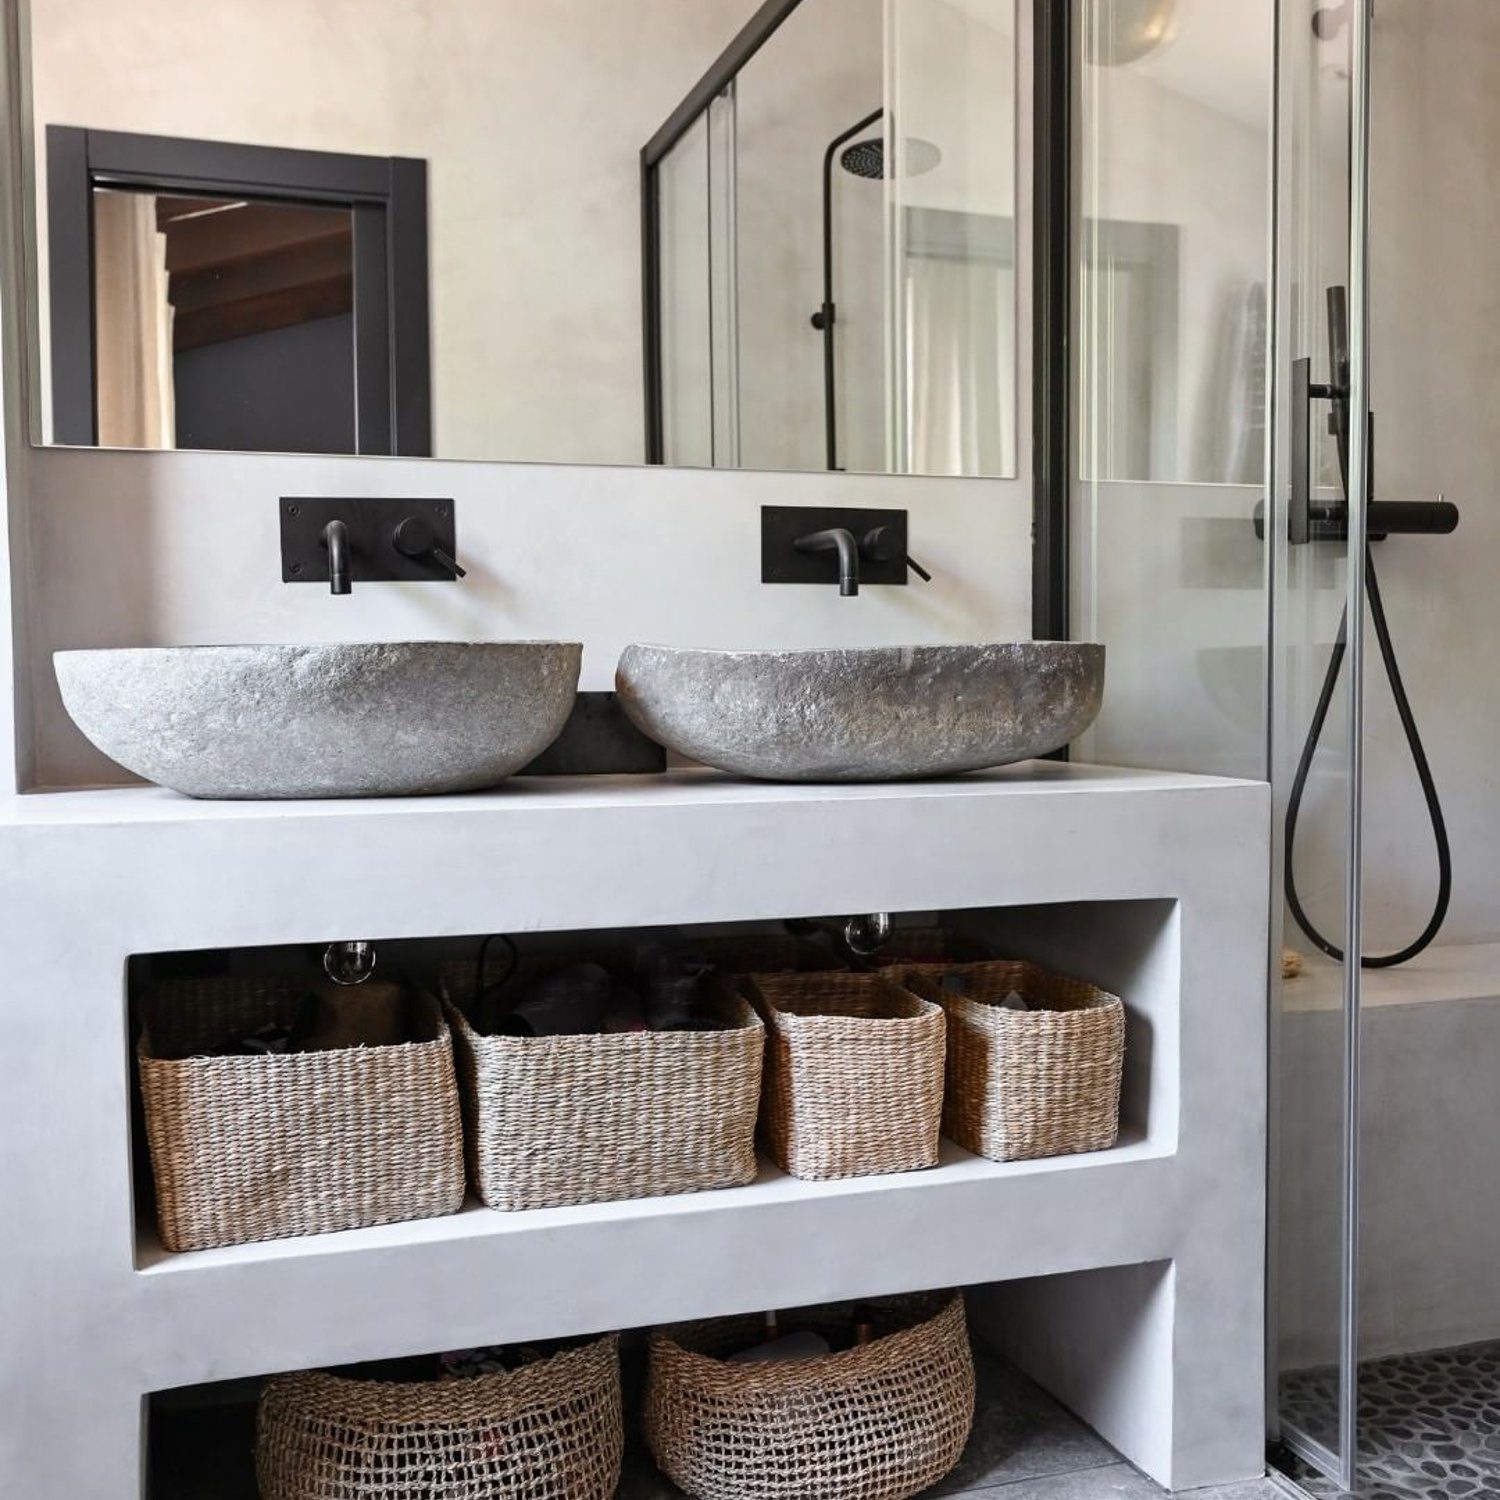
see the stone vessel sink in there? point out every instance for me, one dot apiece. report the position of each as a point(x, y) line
point(876, 713)
point(391, 720)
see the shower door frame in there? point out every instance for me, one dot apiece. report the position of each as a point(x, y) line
point(1340, 1465)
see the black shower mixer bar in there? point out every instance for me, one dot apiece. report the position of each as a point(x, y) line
point(1310, 520)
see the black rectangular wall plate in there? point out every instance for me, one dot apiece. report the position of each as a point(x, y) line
point(598, 740)
point(781, 525)
point(372, 522)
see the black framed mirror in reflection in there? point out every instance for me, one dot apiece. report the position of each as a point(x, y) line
point(724, 233)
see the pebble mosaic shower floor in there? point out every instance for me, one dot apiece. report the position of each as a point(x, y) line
point(1429, 1424)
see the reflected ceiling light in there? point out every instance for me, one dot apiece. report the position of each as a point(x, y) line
point(1125, 31)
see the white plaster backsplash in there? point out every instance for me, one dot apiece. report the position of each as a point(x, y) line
point(132, 549)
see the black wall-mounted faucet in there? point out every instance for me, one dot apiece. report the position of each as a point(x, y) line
point(346, 539)
point(336, 539)
point(841, 540)
point(868, 547)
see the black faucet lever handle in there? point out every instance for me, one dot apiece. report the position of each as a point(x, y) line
point(879, 544)
point(414, 537)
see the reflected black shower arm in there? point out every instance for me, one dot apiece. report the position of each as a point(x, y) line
point(827, 315)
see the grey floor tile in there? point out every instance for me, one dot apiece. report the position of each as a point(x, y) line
point(1256, 1489)
point(1020, 1432)
point(1117, 1481)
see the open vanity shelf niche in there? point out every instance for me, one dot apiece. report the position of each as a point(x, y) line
point(1133, 1259)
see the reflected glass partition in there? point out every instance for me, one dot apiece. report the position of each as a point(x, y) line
point(860, 223)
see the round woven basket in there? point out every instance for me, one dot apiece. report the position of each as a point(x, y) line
point(853, 1075)
point(1044, 1081)
point(548, 1431)
point(877, 1422)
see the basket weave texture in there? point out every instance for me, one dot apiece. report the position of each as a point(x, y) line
point(1027, 1083)
point(548, 1431)
point(259, 1148)
point(592, 1119)
point(877, 1422)
point(854, 1074)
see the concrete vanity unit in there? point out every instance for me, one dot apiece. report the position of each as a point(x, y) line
point(1128, 1281)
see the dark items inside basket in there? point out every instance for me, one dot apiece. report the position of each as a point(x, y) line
point(841, 1324)
point(276, 1016)
point(652, 987)
point(458, 1364)
point(858, 996)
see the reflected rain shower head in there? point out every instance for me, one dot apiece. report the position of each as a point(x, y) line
point(867, 158)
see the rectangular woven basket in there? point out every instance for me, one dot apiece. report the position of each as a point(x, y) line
point(1044, 1081)
point(260, 1148)
point(854, 1074)
point(592, 1119)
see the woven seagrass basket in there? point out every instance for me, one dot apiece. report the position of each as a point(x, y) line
point(854, 1074)
point(880, 1421)
point(548, 1431)
point(1044, 1081)
point(260, 1148)
point(591, 1119)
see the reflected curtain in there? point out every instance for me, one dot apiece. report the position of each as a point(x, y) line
point(961, 416)
point(1232, 402)
point(132, 324)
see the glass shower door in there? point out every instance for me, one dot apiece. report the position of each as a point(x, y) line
point(1321, 457)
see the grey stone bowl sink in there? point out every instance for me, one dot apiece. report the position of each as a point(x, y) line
point(875, 713)
point(392, 720)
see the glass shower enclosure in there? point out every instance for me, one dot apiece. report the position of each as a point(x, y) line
point(1385, 1361)
point(1239, 374)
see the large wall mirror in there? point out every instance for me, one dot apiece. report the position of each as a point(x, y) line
point(693, 232)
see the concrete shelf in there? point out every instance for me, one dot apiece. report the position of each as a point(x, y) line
point(653, 1260)
point(1125, 1280)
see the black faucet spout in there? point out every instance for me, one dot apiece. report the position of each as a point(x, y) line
point(336, 539)
point(841, 540)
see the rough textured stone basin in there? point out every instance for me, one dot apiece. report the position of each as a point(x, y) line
point(878, 713)
point(398, 719)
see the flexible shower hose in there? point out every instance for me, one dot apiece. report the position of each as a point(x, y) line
point(1419, 760)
